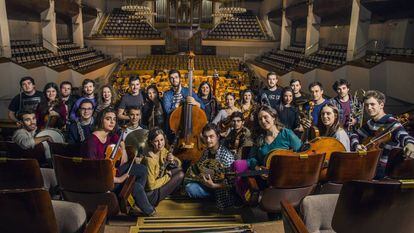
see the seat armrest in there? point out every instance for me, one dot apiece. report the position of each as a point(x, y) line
point(291, 219)
point(127, 189)
point(97, 223)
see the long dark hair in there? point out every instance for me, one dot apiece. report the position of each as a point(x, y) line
point(152, 86)
point(54, 86)
point(101, 116)
point(329, 132)
point(210, 95)
point(281, 106)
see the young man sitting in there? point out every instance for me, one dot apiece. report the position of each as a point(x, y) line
point(25, 136)
point(202, 185)
point(374, 102)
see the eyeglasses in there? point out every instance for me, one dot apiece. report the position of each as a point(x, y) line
point(86, 109)
point(237, 120)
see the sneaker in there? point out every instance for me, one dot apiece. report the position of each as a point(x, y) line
point(153, 214)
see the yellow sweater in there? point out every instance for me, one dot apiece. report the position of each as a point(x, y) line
point(154, 166)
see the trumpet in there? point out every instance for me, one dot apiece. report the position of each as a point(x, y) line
point(357, 111)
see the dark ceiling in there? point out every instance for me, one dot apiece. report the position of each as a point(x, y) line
point(338, 12)
point(30, 10)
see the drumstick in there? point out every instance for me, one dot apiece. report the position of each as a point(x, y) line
point(132, 163)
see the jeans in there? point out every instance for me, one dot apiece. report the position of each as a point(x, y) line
point(141, 199)
point(196, 190)
point(157, 195)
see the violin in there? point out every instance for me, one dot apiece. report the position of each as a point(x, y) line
point(114, 153)
point(384, 134)
point(51, 120)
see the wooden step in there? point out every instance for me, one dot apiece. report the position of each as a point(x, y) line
point(210, 223)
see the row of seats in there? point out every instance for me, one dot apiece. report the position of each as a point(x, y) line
point(294, 56)
point(241, 26)
point(122, 24)
point(201, 62)
point(70, 54)
point(331, 55)
point(378, 56)
point(283, 59)
point(398, 51)
point(83, 65)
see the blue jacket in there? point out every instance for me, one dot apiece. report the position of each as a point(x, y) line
point(167, 101)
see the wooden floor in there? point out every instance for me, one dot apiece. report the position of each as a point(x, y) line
point(185, 207)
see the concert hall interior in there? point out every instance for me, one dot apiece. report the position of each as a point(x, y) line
point(259, 116)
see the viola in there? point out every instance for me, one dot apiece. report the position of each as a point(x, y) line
point(187, 121)
point(113, 152)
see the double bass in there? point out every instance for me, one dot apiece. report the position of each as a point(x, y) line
point(187, 122)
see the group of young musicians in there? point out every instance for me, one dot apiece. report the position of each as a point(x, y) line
point(238, 136)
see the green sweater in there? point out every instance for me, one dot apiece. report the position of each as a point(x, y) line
point(286, 139)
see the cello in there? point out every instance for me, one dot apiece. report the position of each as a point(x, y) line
point(187, 122)
point(317, 145)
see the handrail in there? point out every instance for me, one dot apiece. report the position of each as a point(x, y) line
point(261, 26)
point(110, 73)
point(364, 46)
point(311, 46)
point(51, 43)
point(102, 19)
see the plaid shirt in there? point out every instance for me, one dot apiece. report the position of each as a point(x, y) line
point(225, 196)
point(223, 155)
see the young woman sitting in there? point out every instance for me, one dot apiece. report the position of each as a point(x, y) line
point(164, 169)
point(95, 146)
point(329, 125)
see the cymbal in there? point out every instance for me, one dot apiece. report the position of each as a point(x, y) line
point(137, 139)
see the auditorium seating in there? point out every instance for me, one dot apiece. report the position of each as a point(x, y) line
point(374, 58)
point(285, 60)
point(70, 54)
point(333, 55)
point(122, 24)
point(201, 62)
point(388, 51)
point(26, 51)
point(378, 56)
point(241, 26)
